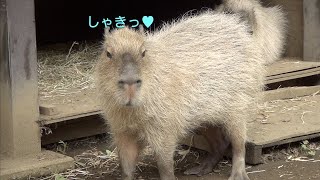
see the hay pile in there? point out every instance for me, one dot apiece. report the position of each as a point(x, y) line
point(66, 69)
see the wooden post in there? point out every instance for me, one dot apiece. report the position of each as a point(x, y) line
point(20, 133)
point(311, 43)
point(20, 146)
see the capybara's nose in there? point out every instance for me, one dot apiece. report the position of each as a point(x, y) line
point(130, 82)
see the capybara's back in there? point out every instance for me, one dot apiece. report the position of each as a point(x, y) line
point(212, 61)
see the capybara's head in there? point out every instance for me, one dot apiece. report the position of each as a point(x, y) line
point(123, 60)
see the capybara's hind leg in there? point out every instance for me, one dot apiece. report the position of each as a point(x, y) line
point(128, 150)
point(218, 145)
point(236, 132)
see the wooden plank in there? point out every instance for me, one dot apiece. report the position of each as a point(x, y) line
point(254, 152)
point(71, 106)
point(290, 92)
point(272, 95)
point(293, 139)
point(289, 65)
point(50, 120)
point(284, 119)
point(73, 129)
point(294, 75)
point(49, 110)
point(289, 68)
point(311, 41)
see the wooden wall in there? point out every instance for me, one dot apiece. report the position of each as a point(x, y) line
point(311, 46)
point(294, 10)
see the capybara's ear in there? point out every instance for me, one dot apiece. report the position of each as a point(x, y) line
point(106, 32)
point(141, 30)
point(143, 50)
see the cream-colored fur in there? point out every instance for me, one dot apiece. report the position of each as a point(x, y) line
point(268, 25)
point(201, 69)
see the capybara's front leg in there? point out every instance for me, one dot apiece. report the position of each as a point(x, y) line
point(165, 165)
point(128, 150)
point(164, 152)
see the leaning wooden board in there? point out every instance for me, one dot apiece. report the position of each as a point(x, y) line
point(280, 121)
point(83, 104)
point(70, 107)
point(287, 121)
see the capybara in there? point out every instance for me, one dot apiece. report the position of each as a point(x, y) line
point(156, 88)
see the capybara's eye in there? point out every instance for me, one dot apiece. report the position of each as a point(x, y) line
point(109, 55)
point(143, 53)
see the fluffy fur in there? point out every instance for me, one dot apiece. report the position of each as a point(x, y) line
point(202, 69)
point(193, 73)
point(268, 25)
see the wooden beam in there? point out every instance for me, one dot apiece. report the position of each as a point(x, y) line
point(290, 92)
point(19, 83)
point(311, 41)
point(73, 129)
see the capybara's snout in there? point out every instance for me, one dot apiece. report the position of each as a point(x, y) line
point(130, 88)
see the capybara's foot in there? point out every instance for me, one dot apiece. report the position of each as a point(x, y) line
point(205, 166)
point(239, 175)
point(202, 169)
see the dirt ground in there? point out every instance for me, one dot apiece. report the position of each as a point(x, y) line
point(95, 160)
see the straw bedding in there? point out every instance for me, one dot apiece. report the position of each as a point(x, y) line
point(65, 69)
